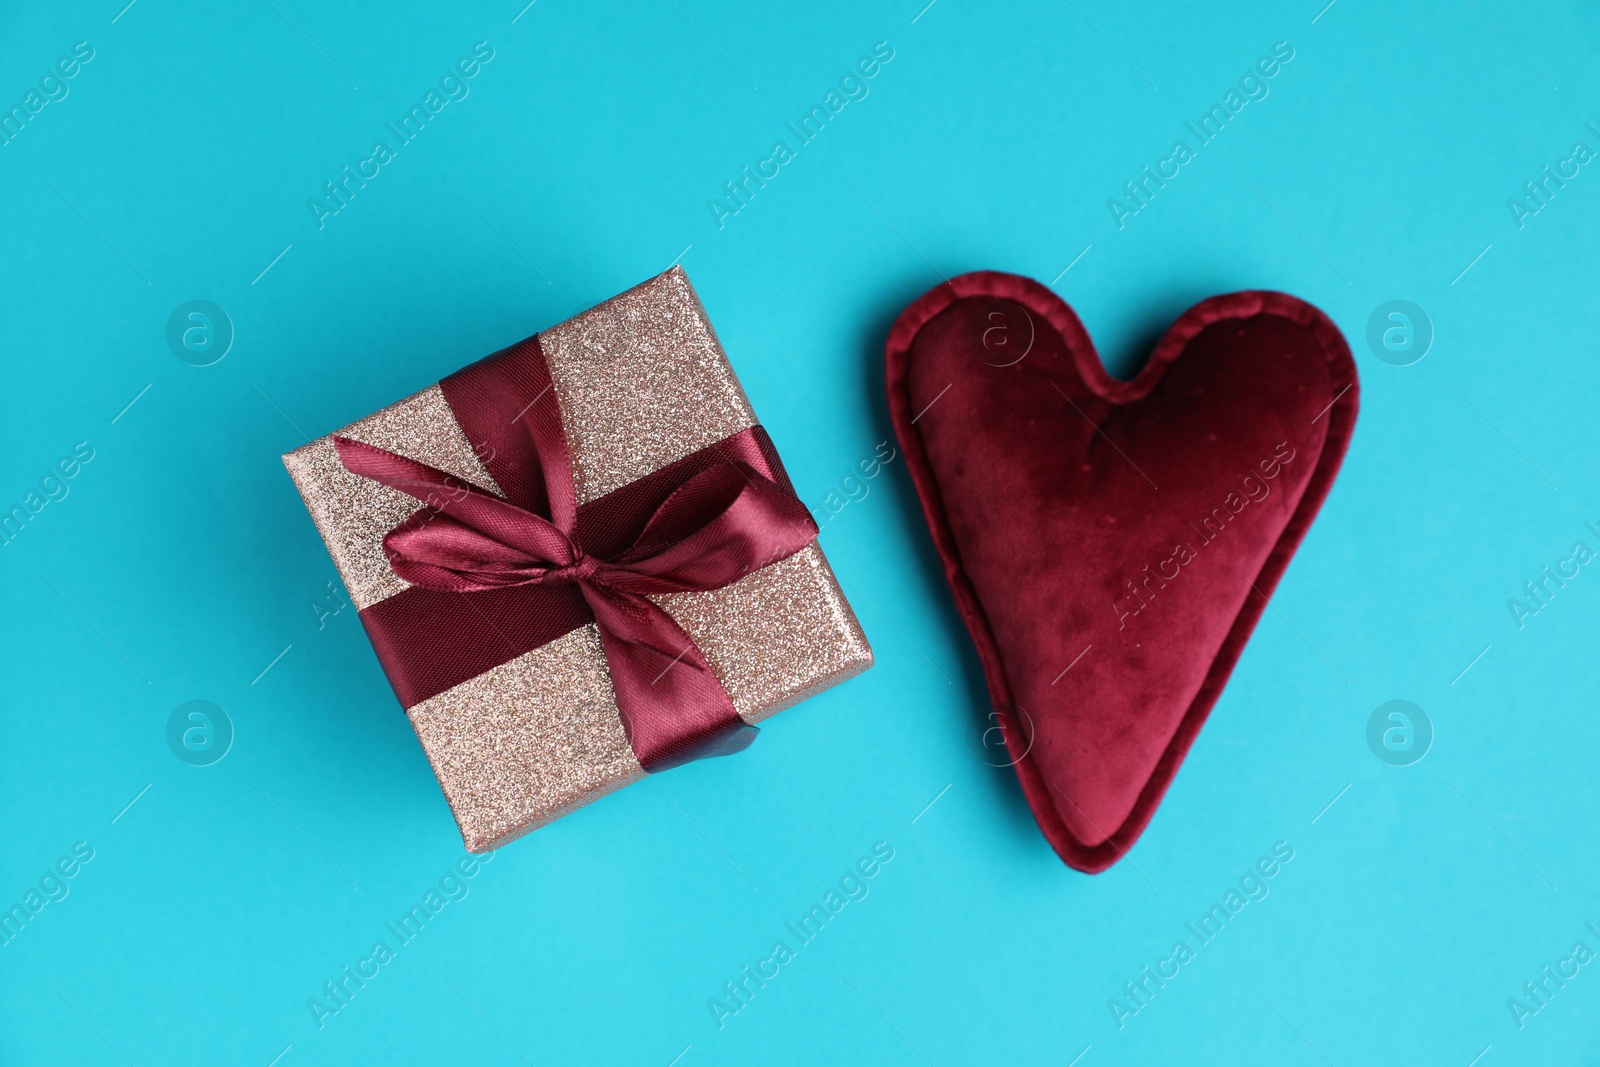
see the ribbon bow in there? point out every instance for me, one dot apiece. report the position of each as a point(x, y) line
point(718, 519)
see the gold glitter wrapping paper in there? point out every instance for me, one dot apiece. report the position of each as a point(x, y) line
point(642, 382)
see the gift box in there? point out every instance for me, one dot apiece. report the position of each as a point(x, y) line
point(580, 561)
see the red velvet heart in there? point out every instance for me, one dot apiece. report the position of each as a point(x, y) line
point(1110, 544)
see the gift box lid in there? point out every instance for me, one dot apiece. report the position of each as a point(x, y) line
point(641, 381)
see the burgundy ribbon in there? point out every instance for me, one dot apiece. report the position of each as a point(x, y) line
point(493, 578)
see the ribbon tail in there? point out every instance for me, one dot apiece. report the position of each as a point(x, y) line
point(462, 529)
point(673, 708)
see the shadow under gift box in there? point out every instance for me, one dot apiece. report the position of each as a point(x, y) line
point(641, 382)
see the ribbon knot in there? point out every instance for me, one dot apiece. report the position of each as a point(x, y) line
point(580, 570)
point(696, 525)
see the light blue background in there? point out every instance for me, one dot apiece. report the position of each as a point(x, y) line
point(182, 562)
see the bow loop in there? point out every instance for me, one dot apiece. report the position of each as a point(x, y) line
point(718, 526)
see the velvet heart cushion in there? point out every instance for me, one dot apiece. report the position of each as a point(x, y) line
point(1110, 545)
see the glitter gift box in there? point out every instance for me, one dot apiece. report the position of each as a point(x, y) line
point(641, 382)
